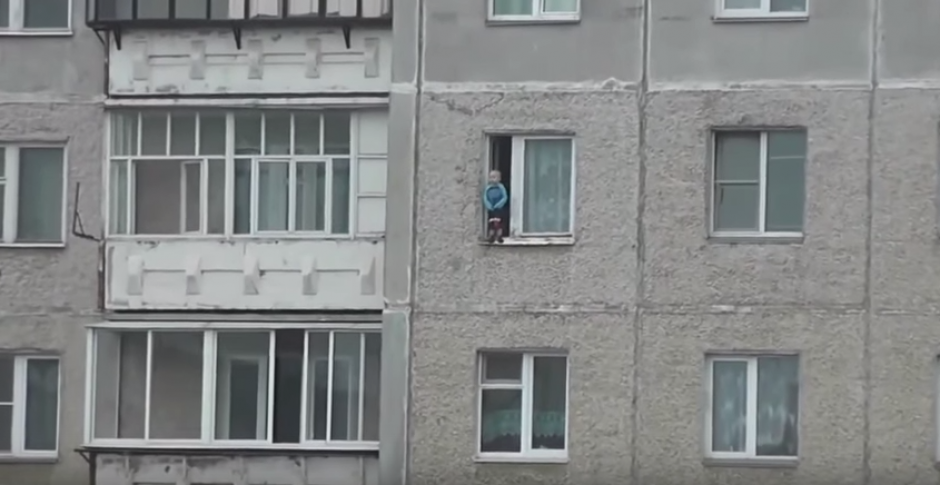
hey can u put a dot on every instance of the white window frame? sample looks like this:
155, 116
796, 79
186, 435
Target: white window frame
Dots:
517, 189
538, 13
18, 439
210, 369
224, 387
750, 451
757, 13
526, 385
10, 180
761, 230
229, 158
17, 16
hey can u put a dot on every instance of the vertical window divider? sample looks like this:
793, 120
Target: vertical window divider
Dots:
354, 177
91, 383
198, 145
328, 197
304, 390
293, 135
208, 385
263, 149
517, 187
361, 383
253, 203
329, 387
131, 197
148, 376
272, 364
750, 443
762, 203
291, 194
526, 414
17, 14
203, 196
169, 134
18, 428
230, 174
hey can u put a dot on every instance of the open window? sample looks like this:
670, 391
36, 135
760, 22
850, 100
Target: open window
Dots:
538, 174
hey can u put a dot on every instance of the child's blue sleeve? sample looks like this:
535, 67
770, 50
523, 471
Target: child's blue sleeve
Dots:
486, 200
503, 197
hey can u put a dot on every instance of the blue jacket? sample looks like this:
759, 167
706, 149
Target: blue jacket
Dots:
495, 196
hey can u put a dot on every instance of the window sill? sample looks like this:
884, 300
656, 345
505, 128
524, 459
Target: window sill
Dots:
524, 20
522, 459
757, 462
38, 459
279, 450
787, 239
532, 241
730, 19
32, 245
36, 33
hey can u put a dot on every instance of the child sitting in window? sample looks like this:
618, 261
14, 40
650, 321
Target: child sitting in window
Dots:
495, 198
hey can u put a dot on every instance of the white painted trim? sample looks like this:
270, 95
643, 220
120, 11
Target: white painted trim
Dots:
517, 192
91, 355
224, 387
538, 13
11, 181
378, 101
761, 13
19, 408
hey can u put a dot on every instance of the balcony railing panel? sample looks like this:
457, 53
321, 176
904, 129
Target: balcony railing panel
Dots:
222, 11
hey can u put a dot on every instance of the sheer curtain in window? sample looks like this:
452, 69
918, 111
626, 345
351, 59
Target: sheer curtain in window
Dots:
42, 404
512, 7
547, 194
729, 406
40, 205
560, 6
777, 406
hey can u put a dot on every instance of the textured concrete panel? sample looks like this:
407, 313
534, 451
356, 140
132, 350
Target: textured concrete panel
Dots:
684, 267
461, 47
686, 44
57, 281
443, 428
905, 252
456, 270
671, 408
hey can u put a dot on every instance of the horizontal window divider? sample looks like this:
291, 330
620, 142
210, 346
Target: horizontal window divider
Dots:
144, 325
737, 182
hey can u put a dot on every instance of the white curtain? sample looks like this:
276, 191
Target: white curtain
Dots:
547, 194
40, 209
512, 7
560, 6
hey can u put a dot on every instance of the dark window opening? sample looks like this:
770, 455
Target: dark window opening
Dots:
288, 381
501, 159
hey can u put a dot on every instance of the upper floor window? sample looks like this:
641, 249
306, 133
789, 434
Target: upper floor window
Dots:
32, 195
247, 172
538, 174
29, 406
523, 406
35, 16
235, 9
762, 8
535, 9
236, 387
759, 183
753, 406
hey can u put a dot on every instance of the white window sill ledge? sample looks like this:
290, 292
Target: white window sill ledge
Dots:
38, 459
532, 241
32, 245
757, 462
720, 19
522, 460
509, 21
229, 449
36, 33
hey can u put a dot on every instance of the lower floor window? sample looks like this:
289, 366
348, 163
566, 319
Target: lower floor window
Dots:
523, 404
29, 405
303, 386
754, 406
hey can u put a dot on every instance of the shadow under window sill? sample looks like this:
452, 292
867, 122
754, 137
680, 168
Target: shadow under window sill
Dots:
758, 462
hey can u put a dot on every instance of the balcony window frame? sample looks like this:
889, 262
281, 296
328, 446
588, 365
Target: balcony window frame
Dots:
761, 13
230, 158
210, 374
10, 183
16, 24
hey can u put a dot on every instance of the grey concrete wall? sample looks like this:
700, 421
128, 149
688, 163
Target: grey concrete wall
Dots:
50, 90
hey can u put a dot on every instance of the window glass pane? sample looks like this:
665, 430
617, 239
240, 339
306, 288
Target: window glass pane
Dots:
560, 6
153, 9
216, 203
212, 134
547, 188
191, 9
340, 196
242, 385
736, 207
242, 196
183, 134
512, 7
46, 14
118, 202
742, 4
288, 385
40, 205
737, 157
786, 191
371, 387
6, 427
248, 133
277, 133
500, 366
126, 365
729, 406
501, 428
318, 351
336, 133
6, 380
158, 196
42, 404
777, 405
787, 5
4, 13
307, 133
549, 389
273, 196
123, 134
153, 134
311, 196
176, 385
345, 410
220, 9
192, 203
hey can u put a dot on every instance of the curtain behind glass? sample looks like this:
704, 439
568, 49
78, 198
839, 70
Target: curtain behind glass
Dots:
547, 194
512, 7
729, 406
40, 195
777, 406
560, 6
42, 404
